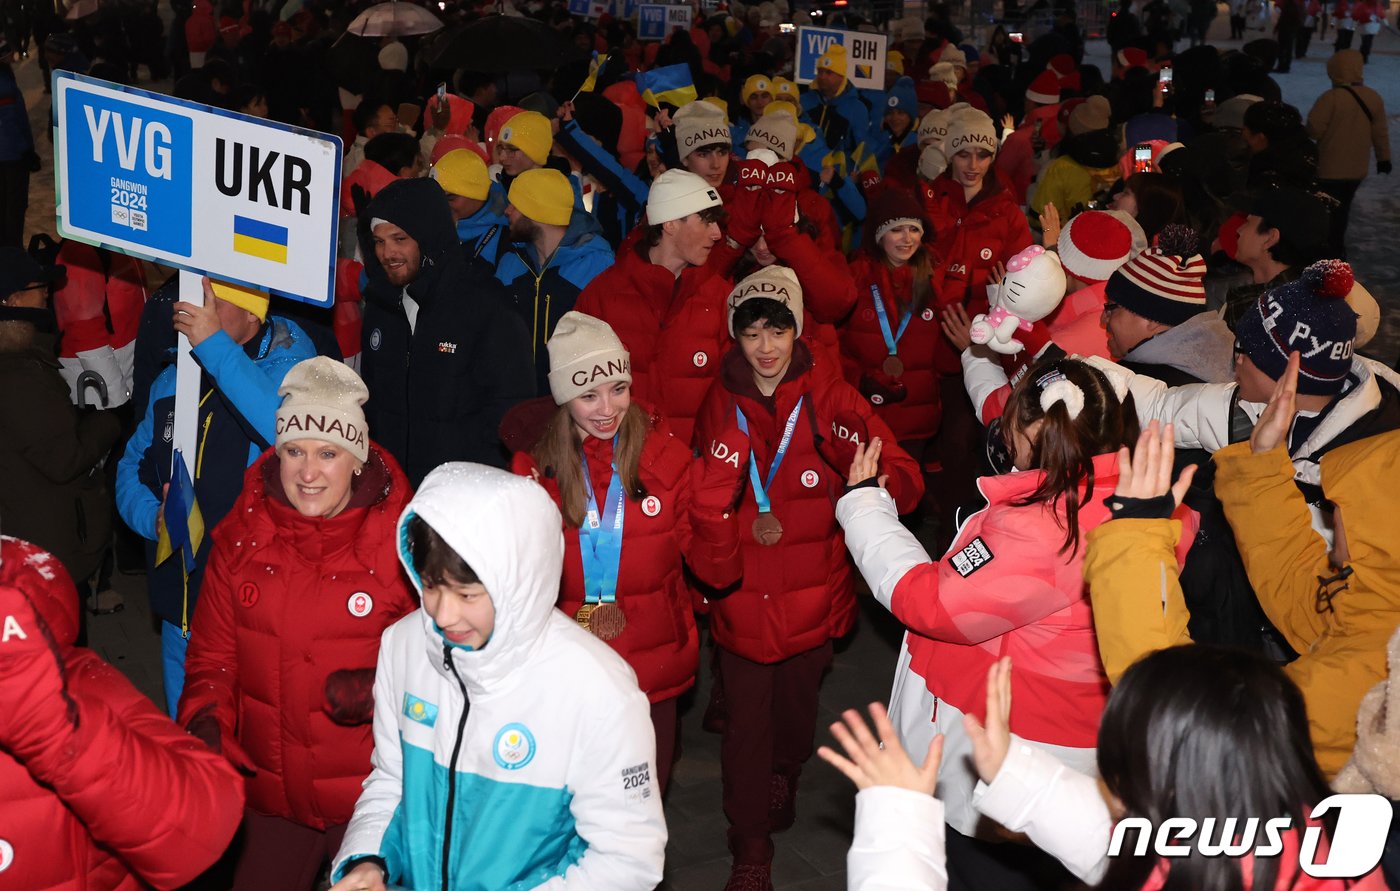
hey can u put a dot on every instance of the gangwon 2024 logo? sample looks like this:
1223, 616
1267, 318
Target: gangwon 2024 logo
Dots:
1363, 822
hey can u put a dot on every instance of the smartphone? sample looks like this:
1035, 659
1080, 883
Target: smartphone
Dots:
442, 92
1210, 98
1017, 37
1142, 158
1164, 76
786, 28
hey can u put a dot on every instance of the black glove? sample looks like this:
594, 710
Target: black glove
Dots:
1381, 167
1159, 508
360, 196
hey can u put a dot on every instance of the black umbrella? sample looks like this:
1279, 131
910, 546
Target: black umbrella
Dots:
353, 62
500, 43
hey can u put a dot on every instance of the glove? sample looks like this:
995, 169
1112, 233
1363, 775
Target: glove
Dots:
38, 712
350, 696
744, 217
751, 174
838, 448
204, 726
881, 388
720, 473
782, 177
779, 212
360, 197
1381, 167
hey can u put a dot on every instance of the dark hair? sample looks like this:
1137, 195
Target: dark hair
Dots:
366, 112
1284, 250
652, 233
245, 94
434, 560
393, 151
558, 453
1203, 731
766, 310
1065, 448
1159, 201
1277, 121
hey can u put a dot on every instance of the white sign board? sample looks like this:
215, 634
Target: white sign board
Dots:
197, 187
865, 55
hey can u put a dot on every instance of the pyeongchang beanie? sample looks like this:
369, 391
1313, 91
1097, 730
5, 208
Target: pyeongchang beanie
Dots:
1310, 315
530, 132
584, 352
543, 195
321, 400
462, 172
1164, 284
700, 124
774, 282
1093, 245
679, 193
251, 299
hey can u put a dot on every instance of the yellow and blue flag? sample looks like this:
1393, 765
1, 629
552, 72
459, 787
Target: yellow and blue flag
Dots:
671, 85
181, 525
595, 69
258, 239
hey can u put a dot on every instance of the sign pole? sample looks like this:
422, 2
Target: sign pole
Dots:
187, 375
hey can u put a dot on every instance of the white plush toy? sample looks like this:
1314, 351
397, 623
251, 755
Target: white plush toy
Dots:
1034, 285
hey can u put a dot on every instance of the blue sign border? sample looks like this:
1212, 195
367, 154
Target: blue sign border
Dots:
56, 75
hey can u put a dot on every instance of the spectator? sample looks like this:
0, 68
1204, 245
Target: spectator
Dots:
1281, 232
1348, 129
478, 204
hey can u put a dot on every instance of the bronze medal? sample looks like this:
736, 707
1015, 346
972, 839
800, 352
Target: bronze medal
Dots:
607, 621
767, 531
585, 615
893, 366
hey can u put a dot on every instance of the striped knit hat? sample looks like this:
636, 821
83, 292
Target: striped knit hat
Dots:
1164, 284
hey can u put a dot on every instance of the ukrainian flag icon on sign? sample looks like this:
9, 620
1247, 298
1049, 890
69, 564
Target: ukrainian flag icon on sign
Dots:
258, 239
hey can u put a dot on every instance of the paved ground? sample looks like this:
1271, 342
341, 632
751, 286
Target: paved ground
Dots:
812, 854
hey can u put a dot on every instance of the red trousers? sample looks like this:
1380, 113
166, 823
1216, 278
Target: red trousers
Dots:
279, 855
665, 722
772, 720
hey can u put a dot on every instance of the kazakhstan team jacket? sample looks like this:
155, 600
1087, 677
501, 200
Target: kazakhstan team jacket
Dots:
527, 763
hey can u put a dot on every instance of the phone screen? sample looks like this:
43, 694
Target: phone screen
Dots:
1165, 75
1210, 96
787, 27
1142, 159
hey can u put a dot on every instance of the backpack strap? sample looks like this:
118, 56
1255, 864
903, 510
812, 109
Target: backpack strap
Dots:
1359, 101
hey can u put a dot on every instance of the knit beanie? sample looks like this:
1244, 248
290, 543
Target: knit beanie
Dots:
1045, 89
944, 73
932, 162
902, 98
544, 195
462, 172
1164, 284
1092, 114
891, 207
757, 83
496, 120
774, 282
699, 124
786, 90
1310, 315
251, 299
453, 143
834, 59
321, 400
1093, 245
776, 130
970, 129
954, 56
584, 352
894, 61
679, 193
394, 57
933, 129
530, 132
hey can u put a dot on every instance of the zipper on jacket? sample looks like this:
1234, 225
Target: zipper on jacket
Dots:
452, 764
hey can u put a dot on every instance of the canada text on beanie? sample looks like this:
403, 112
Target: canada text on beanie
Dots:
321, 400
773, 282
699, 124
1310, 316
776, 130
584, 353
970, 129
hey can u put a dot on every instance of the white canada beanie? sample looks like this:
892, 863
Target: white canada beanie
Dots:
700, 124
774, 282
970, 129
775, 130
933, 129
679, 193
321, 400
583, 353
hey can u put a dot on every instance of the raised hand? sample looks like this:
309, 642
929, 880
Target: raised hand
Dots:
1147, 473
878, 759
1273, 425
991, 742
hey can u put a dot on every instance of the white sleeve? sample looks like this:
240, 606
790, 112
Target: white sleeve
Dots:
898, 844
882, 548
617, 802
1060, 809
1200, 412
383, 788
982, 376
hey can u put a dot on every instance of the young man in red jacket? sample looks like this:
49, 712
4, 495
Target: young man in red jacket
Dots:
793, 433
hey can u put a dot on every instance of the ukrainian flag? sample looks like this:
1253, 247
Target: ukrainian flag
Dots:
671, 85
181, 525
594, 70
259, 239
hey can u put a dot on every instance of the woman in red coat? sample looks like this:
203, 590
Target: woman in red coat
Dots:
623, 485
303, 578
793, 433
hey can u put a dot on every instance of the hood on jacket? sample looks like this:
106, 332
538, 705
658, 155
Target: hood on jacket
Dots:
41, 578
1351, 475
419, 207
1203, 346
509, 532
1345, 67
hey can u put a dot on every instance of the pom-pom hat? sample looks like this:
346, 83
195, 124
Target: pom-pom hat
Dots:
1164, 284
1310, 316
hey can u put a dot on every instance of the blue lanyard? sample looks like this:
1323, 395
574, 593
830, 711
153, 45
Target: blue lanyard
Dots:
760, 490
600, 539
891, 339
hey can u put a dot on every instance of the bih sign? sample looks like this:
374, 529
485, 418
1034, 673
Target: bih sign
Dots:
865, 55
196, 187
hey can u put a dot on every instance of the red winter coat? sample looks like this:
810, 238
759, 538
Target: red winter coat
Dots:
286, 601
1016, 162
676, 330
969, 239
98, 310
797, 594
660, 641
863, 346
130, 800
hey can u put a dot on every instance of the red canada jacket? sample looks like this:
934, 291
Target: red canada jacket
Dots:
797, 594
676, 330
660, 641
969, 239
286, 601
129, 799
863, 346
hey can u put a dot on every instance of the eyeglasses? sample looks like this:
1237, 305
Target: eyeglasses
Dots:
1110, 308
1236, 351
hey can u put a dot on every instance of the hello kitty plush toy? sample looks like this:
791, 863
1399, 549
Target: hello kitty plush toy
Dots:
1034, 285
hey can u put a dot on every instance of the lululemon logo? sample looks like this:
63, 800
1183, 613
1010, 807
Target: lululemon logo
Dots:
360, 604
651, 505
810, 479
248, 594
700, 359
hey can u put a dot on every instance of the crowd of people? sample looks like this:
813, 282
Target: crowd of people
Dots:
657, 354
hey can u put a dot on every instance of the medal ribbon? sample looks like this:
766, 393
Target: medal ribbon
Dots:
600, 539
760, 489
891, 338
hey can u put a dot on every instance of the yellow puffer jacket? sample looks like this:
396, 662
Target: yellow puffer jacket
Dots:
1138, 605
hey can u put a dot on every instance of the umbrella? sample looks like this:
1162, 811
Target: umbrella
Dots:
81, 9
501, 43
352, 61
394, 19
